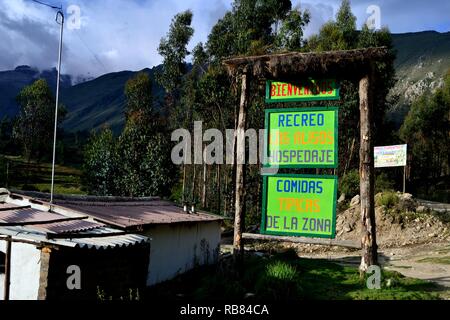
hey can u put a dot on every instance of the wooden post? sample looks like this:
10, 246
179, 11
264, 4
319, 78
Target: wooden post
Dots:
238, 246
43, 273
7, 269
404, 179
369, 254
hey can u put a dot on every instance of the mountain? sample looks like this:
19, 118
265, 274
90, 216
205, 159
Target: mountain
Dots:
11, 82
92, 104
423, 58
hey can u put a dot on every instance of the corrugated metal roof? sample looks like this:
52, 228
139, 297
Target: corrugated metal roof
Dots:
71, 226
27, 219
96, 242
8, 206
29, 215
137, 213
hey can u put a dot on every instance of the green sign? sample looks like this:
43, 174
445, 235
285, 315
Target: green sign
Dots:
301, 138
307, 90
299, 205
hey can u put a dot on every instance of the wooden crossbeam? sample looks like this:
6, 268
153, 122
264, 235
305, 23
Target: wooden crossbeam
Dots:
319, 241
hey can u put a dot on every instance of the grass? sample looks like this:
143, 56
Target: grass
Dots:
388, 199
37, 177
286, 277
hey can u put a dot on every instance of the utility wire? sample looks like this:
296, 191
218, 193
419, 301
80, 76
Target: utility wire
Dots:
48, 5
100, 62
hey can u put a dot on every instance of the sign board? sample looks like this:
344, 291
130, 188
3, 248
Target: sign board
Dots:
301, 138
307, 90
390, 156
299, 205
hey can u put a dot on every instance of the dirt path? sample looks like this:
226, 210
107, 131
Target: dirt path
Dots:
429, 262
436, 206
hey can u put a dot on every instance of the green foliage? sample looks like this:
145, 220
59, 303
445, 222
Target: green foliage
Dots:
349, 183
279, 282
6, 143
173, 50
2, 172
346, 23
33, 128
291, 32
426, 130
138, 92
251, 27
138, 162
389, 199
291, 278
132, 295
383, 183
342, 35
100, 163
145, 167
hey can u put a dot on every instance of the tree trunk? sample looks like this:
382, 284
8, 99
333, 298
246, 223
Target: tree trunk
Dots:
193, 184
369, 254
225, 197
219, 189
184, 184
204, 186
238, 247
350, 158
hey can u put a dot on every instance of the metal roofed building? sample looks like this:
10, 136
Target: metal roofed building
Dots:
180, 240
39, 249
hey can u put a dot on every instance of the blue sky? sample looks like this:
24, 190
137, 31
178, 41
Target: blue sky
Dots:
117, 35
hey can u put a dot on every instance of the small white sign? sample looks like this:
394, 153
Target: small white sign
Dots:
390, 156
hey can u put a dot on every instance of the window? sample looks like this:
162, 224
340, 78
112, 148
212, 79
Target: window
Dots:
2, 262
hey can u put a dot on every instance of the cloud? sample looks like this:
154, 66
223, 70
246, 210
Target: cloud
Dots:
399, 16
113, 35
124, 35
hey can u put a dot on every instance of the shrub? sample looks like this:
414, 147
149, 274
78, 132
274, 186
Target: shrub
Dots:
388, 199
349, 183
383, 183
279, 282
2, 172
30, 187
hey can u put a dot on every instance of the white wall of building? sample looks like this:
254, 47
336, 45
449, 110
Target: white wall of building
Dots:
25, 271
177, 248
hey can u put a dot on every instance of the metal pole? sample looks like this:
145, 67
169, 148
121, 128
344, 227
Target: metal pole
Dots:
404, 179
7, 269
59, 13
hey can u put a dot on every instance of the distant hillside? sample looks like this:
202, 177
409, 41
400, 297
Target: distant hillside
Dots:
422, 60
94, 103
11, 82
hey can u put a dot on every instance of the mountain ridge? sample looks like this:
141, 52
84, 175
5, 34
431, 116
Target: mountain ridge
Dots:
422, 60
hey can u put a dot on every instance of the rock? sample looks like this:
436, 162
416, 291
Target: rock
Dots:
432, 235
421, 209
347, 227
406, 202
405, 196
418, 228
355, 201
341, 198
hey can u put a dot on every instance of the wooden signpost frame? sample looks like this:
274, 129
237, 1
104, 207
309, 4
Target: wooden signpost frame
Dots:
357, 65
